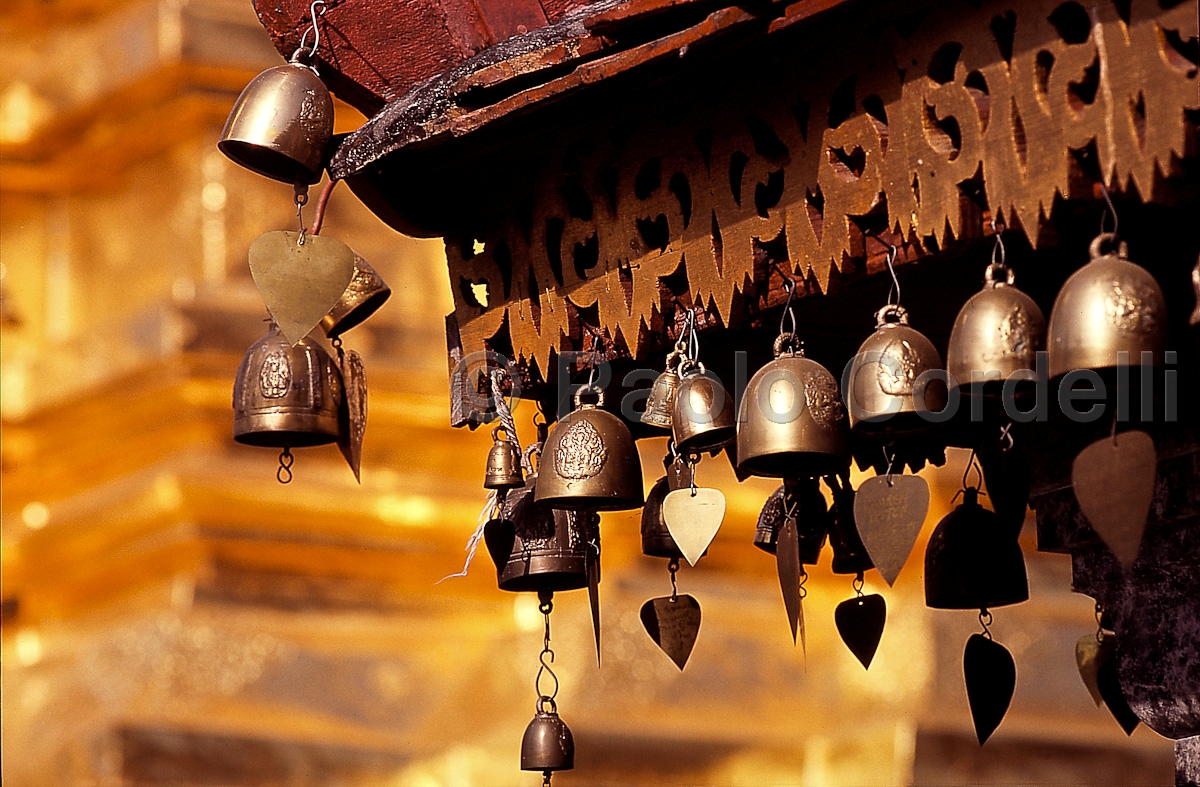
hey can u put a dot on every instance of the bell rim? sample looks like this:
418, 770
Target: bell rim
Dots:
236, 149
263, 429
335, 325
575, 503
803, 463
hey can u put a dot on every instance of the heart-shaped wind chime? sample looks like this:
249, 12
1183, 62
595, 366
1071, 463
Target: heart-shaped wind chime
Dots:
288, 392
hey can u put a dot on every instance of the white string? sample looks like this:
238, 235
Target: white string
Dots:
494, 502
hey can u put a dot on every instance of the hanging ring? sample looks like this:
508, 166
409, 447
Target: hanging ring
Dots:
985, 620
788, 316
284, 473
1110, 210
891, 259
302, 51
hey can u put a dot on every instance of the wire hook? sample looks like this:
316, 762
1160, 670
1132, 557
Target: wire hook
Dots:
315, 30
1111, 210
788, 315
890, 259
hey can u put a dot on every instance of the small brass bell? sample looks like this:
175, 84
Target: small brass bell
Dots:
770, 519
1107, 307
539, 548
703, 416
973, 560
363, 296
281, 124
547, 745
890, 390
656, 536
996, 335
503, 463
590, 461
661, 404
286, 396
792, 420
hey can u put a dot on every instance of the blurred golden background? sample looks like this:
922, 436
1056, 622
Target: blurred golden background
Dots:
172, 615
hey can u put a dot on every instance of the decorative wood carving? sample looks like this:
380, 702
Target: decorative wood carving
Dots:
922, 130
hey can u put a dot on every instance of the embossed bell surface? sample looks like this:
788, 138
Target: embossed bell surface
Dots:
281, 124
536, 547
890, 389
590, 461
286, 396
703, 415
547, 744
792, 420
656, 537
1107, 307
365, 293
660, 406
770, 519
996, 335
973, 560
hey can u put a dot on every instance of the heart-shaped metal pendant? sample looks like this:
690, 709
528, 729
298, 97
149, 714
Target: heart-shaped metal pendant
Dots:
673, 624
991, 677
860, 623
787, 563
693, 517
1090, 653
299, 282
353, 416
1114, 484
889, 512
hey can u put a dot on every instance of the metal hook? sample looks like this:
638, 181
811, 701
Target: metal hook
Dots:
890, 460
316, 31
788, 315
985, 620
971, 463
890, 259
673, 567
1110, 210
284, 474
998, 247
1006, 439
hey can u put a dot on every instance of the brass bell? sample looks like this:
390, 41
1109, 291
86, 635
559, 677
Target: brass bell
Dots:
1107, 307
703, 416
661, 404
770, 519
547, 745
286, 396
973, 561
996, 335
590, 460
281, 124
503, 463
895, 380
539, 548
792, 420
365, 293
656, 536
849, 554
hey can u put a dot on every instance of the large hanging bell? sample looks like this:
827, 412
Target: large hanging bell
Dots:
895, 381
660, 406
590, 460
703, 416
1108, 307
547, 745
792, 420
365, 293
996, 335
656, 536
973, 560
539, 548
281, 124
286, 396
503, 463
